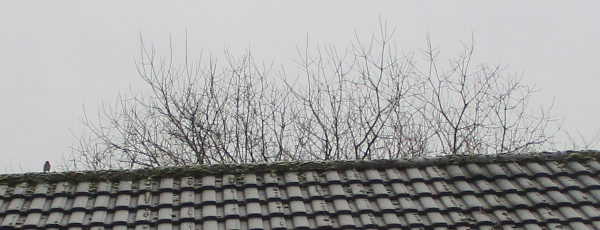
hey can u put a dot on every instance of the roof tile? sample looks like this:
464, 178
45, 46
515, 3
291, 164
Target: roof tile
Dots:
33, 220
589, 182
503, 192
594, 167
98, 218
537, 169
547, 183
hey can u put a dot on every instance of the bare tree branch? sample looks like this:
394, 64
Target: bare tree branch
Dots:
364, 102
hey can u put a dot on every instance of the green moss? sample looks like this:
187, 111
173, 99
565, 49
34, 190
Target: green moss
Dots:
238, 170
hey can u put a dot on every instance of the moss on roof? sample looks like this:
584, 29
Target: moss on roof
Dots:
279, 167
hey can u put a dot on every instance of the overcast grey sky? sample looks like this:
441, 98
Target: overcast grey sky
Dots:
56, 56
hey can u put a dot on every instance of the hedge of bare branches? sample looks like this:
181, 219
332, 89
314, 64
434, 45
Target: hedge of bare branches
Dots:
365, 102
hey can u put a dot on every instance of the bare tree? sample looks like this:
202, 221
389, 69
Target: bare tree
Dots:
364, 102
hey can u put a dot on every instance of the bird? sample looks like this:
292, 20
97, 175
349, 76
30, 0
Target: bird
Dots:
47, 166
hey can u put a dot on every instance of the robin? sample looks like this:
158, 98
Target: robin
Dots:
47, 166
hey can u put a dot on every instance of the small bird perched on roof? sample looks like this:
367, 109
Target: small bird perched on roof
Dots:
47, 166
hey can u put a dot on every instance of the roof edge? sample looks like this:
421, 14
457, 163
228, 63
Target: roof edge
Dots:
279, 167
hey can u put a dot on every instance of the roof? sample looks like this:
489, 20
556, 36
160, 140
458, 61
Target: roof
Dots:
528, 191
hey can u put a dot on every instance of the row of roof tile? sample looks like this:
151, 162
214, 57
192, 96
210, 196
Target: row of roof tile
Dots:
553, 193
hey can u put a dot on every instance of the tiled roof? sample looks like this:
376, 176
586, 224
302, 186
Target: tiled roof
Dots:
531, 191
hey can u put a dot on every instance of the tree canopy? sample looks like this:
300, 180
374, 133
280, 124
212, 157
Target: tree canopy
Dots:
364, 102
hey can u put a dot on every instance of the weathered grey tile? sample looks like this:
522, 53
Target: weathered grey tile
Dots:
341, 206
253, 209
368, 220
516, 201
559, 198
166, 185
270, 179
166, 199
475, 171
209, 197
323, 222
208, 182
505, 194
312, 178
455, 172
391, 220
123, 201
165, 215
33, 220
101, 202
10, 221
464, 187
578, 225
273, 193
421, 189
76, 219
297, 207
121, 217
442, 188
333, 177
275, 208
124, 187
570, 213
41, 190
385, 205
594, 166
547, 184
483, 186
568, 183
525, 216
589, 182
99, 218
142, 216
233, 224
80, 203
255, 223
516, 170
62, 188
429, 204
590, 212
406, 204
209, 212
346, 221
526, 185
187, 183
436, 219
578, 168
37, 204
506, 186
278, 223
400, 190
373, 176
319, 207
413, 219
291, 179
16, 204
548, 214
450, 203
58, 203
496, 171
187, 198
434, 173
394, 176
536, 198
537, 169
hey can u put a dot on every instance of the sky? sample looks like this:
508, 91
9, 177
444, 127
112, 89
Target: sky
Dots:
58, 58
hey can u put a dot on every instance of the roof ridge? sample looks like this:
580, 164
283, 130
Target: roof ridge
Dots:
292, 166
